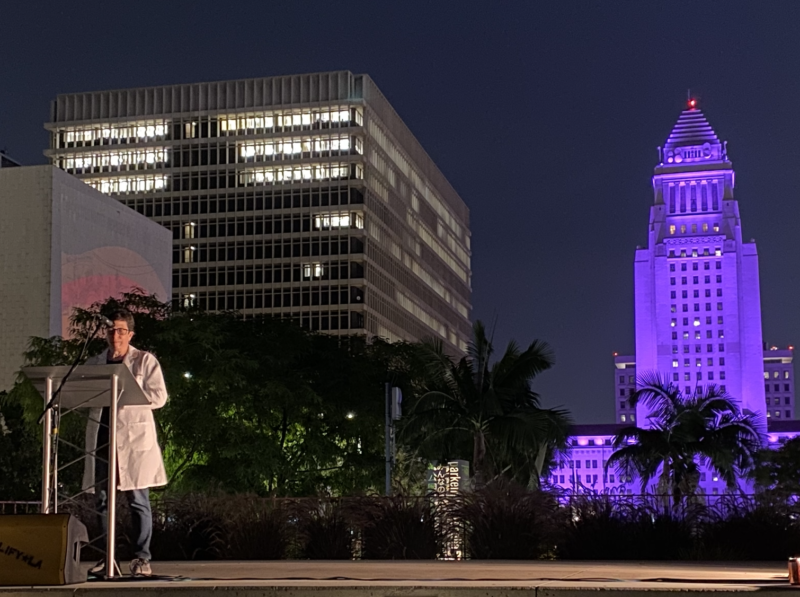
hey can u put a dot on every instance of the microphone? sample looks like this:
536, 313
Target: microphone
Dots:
105, 321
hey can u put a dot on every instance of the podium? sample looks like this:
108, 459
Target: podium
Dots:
89, 386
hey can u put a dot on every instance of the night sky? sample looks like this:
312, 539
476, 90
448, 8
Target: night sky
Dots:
545, 117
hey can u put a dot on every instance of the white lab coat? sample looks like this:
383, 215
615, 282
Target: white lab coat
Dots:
139, 461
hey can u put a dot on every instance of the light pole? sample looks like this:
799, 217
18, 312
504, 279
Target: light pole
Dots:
393, 411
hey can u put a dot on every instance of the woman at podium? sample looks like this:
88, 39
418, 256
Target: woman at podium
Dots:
139, 461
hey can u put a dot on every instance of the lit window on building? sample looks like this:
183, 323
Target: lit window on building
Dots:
312, 270
329, 221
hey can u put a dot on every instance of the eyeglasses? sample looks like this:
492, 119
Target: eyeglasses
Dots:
117, 331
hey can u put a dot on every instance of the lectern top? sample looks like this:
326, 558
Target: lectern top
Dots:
89, 385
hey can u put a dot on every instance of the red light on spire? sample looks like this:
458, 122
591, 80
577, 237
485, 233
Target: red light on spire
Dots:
692, 103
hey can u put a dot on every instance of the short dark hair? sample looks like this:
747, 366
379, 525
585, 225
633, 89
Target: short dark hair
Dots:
122, 315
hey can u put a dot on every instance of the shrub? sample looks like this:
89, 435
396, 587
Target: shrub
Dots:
756, 533
325, 532
398, 529
507, 522
191, 527
602, 527
256, 529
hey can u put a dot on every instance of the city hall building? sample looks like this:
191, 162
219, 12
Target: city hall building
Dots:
303, 196
697, 311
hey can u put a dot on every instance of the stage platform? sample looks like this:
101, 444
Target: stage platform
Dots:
433, 579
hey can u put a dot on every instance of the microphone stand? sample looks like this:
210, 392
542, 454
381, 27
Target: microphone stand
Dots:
75, 363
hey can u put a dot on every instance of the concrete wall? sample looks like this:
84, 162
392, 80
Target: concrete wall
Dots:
25, 263
65, 245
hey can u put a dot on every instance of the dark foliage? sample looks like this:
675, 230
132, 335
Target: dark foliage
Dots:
504, 521
750, 534
20, 455
192, 527
398, 529
616, 528
255, 529
325, 532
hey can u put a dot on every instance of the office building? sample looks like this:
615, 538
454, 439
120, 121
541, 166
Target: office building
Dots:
303, 196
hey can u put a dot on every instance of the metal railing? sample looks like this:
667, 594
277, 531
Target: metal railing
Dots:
20, 507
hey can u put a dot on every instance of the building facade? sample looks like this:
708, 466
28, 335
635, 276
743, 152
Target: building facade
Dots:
697, 300
779, 397
304, 197
64, 245
697, 313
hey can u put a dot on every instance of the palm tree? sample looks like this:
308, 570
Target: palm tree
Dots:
490, 406
704, 428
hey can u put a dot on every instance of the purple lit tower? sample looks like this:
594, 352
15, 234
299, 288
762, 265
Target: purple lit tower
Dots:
698, 309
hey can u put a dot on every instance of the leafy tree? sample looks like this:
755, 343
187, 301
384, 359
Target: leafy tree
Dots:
704, 428
20, 454
486, 411
777, 472
256, 405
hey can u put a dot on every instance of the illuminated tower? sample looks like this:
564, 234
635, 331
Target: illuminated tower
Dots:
698, 308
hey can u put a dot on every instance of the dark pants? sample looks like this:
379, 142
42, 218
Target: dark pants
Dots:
138, 499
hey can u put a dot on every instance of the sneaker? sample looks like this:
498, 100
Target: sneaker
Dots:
99, 569
141, 567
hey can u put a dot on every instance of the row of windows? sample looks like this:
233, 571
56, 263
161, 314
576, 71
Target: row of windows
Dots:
777, 414
151, 157
776, 374
696, 307
680, 202
130, 132
699, 363
696, 266
266, 122
695, 280
589, 478
698, 375
266, 274
300, 173
777, 386
341, 295
240, 202
259, 225
238, 251
693, 227
193, 181
696, 253
297, 147
589, 464
697, 348
118, 159
697, 334
129, 184
302, 119
696, 321
241, 300
673, 294
777, 400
